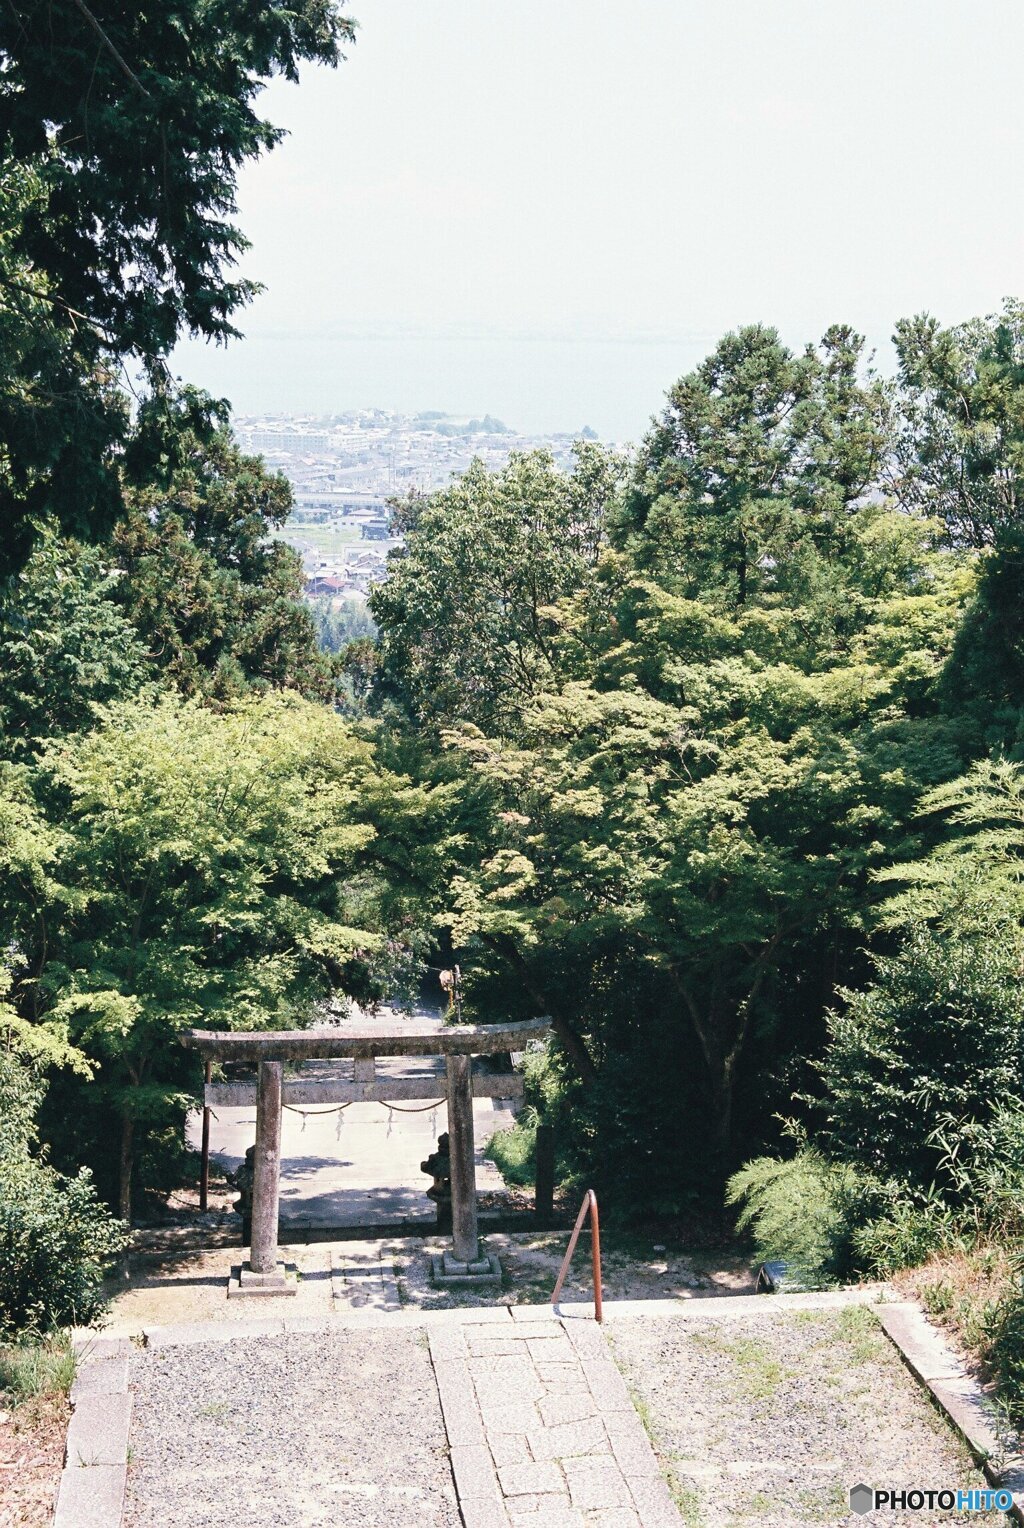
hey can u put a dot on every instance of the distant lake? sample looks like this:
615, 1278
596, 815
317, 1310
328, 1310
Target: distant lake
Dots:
535, 385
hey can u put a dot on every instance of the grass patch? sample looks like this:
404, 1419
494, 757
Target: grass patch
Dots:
858, 1327
643, 1411
759, 1373
513, 1152
326, 538
686, 1499
36, 1367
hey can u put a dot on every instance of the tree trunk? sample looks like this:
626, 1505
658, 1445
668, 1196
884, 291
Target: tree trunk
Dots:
569, 1037
124, 1197
720, 1096
720, 1035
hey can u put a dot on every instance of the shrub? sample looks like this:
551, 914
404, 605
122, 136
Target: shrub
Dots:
1004, 1351
905, 1234
803, 1211
56, 1240
56, 1237
513, 1152
936, 1037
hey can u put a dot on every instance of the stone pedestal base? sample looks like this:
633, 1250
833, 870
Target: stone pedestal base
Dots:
446, 1270
244, 1281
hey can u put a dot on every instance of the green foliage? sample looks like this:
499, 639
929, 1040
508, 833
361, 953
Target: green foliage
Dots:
803, 1211
212, 869
124, 130
338, 623
56, 1241
905, 1232
513, 1152
215, 599
66, 649
1004, 1349
467, 617
962, 442
744, 484
37, 1366
56, 1237
937, 1035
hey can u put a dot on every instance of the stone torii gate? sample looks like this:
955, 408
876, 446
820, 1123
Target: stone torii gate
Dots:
458, 1044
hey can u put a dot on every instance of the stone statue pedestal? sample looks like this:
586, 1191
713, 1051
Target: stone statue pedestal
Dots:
283, 1279
446, 1270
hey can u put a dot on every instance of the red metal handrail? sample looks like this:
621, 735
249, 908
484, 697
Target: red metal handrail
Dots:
589, 1203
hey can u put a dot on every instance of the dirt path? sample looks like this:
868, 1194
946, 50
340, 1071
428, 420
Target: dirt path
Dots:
322, 1429
767, 1421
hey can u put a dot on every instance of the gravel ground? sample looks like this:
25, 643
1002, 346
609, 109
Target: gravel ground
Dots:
328, 1428
769, 1420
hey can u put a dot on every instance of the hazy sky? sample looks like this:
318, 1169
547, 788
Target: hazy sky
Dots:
549, 209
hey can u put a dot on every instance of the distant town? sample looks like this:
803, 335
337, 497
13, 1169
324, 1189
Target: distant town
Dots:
343, 468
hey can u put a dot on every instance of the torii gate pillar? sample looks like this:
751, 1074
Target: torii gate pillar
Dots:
462, 1155
263, 1272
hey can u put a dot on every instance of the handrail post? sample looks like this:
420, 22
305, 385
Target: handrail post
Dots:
595, 1256
589, 1205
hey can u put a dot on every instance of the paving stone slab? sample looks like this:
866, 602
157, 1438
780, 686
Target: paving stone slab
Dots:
509, 1448
532, 1479
587, 1338
494, 1347
634, 1456
596, 1483
923, 1348
606, 1384
653, 1502
548, 1517
484, 1514
475, 1475
462, 1421
91, 1498
972, 1413
544, 1331
542, 1507
557, 1409
493, 1392
531, 1315
548, 1350
513, 1368
98, 1430
571, 1440
446, 1342
512, 1417
89, 1348
102, 1376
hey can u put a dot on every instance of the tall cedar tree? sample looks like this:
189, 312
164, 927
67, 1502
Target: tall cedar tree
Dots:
122, 131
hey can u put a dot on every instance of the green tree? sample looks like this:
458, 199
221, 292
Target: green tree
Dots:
66, 649
122, 131
213, 873
467, 618
671, 823
962, 437
214, 597
746, 482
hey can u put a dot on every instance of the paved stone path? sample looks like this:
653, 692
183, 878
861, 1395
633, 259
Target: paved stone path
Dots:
541, 1427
